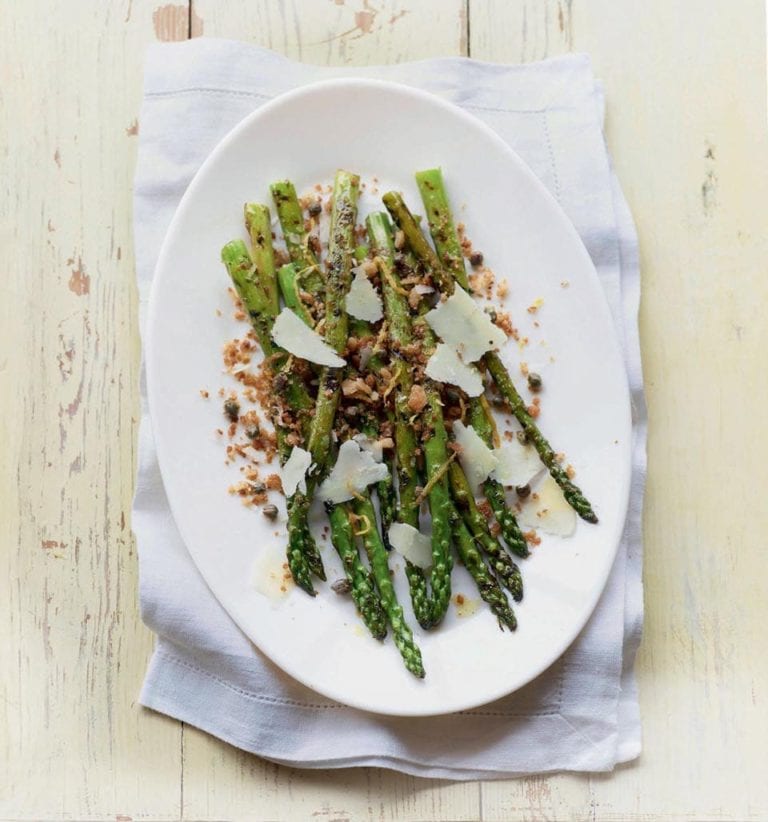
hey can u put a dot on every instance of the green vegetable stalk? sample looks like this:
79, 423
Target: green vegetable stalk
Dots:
489, 589
303, 556
363, 588
296, 236
501, 562
444, 280
377, 556
429, 609
494, 491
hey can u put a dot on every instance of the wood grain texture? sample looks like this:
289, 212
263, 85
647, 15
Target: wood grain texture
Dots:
686, 125
350, 32
220, 781
74, 744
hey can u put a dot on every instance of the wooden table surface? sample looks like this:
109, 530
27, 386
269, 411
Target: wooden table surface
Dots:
685, 86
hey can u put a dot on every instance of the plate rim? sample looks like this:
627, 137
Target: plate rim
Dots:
430, 99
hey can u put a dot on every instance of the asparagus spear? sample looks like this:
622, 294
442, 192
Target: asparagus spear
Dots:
262, 301
494, 491
296, 235
343, 215
396, 311
489, 589
377, 556
441, 225
417, 242
446, 240
385, 489
245, 279
303, 556
288, 279
445, 281
363, 589
501, 562
429, 610
341, 246
259, 224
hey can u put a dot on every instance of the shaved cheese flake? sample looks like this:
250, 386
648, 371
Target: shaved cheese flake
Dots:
419, 288
372, 446
268, 576
290, 333
353, 472
477, 460
460, 322
294, 472
410, 543
445, 365
363, 301
549, 512
518, 463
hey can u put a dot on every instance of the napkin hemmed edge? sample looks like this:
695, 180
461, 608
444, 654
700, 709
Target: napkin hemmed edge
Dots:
167, 692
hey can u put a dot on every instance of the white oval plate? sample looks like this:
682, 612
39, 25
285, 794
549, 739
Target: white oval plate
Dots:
389, 131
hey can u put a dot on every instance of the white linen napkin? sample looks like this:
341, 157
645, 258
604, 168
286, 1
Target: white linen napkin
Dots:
582, 713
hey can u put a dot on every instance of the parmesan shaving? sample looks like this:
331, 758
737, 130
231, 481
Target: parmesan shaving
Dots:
269, 577
477, 460
446, 366
460, 322
410, 543
353, 472
363, 301
548, 511
290, 333
518, 463
372, 446
294, 472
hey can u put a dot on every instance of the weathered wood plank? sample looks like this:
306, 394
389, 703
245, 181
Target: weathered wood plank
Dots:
220, 781
341, 32
74, 744
686, 125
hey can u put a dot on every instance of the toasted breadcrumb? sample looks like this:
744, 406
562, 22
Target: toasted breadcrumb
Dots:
484, 507
531, 537
481, 282
417, 399
504, 322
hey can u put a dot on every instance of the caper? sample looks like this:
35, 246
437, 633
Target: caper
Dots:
476, 259
452, 396
534, 381
341, 586
232, 410
523, 491
270, 511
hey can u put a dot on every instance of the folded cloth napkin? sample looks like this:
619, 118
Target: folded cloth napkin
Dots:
582, 713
